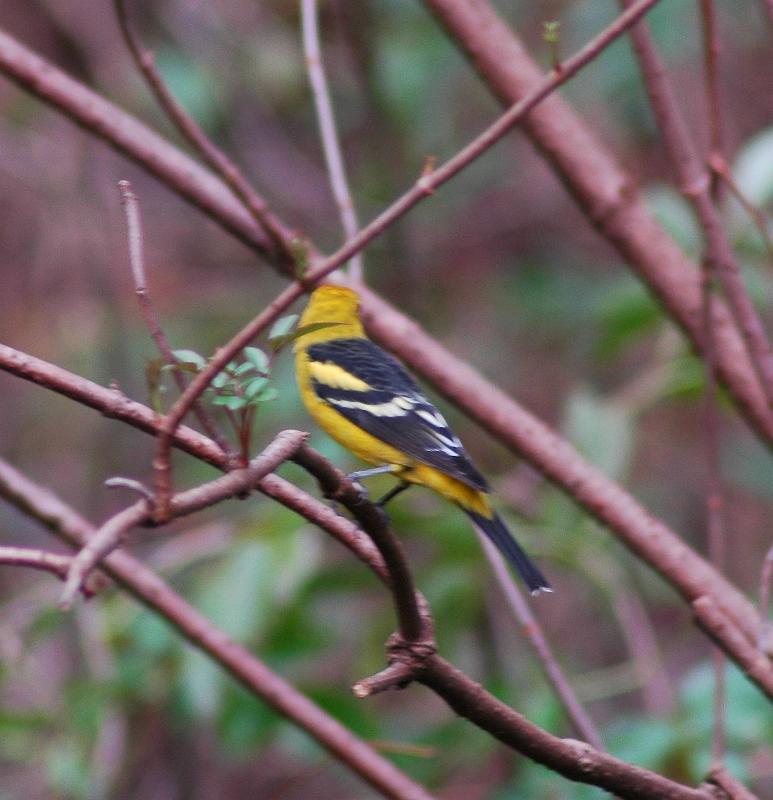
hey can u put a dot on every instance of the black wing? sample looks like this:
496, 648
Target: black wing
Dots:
392, 408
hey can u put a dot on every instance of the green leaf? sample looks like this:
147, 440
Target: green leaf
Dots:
230, 401
254, 387
220, 380
269, 393
190, 357
257, 357
244, 368
282, 326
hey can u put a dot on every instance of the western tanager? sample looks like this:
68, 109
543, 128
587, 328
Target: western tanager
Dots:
366, 400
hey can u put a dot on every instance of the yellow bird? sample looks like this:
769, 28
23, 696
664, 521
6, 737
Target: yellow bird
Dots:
366, 400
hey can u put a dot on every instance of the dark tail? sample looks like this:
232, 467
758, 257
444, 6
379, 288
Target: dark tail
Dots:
496, 531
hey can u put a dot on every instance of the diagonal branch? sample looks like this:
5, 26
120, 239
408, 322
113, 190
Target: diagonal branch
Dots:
236, 483
695, 183
254, 675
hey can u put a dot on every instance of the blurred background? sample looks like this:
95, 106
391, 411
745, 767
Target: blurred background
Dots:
107, 702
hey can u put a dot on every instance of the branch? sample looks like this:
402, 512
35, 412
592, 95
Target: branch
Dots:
604, 194
575, 760
695, 184
235, 483
536, 638
415, 624
255, 205
722, 631
53, 563
554, 457
242, 665
327, 128
130, 202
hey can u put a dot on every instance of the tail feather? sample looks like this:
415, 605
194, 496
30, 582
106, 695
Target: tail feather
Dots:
496, 531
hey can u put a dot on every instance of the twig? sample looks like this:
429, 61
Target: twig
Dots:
110, 535
731, 787
605, 194
695, 184
130, 202
535, 636
191, 132
240, 663
721, 168
765, 639
573, 759
529, 437
714, 622
328, 130
714, 500
54, 563
415, 625
711, 53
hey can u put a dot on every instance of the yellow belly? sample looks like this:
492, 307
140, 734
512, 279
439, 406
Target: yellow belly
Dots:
374, 451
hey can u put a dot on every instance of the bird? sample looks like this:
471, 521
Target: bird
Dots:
367, 401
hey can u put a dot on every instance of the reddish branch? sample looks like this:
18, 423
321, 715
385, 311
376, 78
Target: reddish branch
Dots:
152, 592
54, 563
535, 636
601, 189
576, 760
212, 155
527, 436
604, 193
137, 263
115, 405
695, 183
235, 483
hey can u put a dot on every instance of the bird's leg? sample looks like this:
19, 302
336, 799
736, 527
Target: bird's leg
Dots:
393, 492
354, 477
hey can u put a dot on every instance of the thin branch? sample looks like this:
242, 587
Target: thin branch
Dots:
731, 787
695, 184
721, 168
415, 624
53, 563
711, 53
115, 405
256, 677
328, 130
573, 759
130, 202
195, 136
765, 639
235, 483
720, 628
607, 196
536, 638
